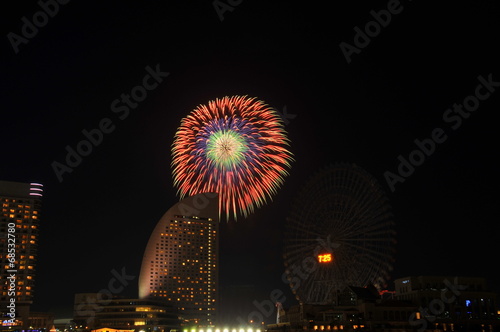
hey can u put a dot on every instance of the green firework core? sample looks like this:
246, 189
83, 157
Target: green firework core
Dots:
226, 148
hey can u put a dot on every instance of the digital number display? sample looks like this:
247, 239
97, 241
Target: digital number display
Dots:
325, 258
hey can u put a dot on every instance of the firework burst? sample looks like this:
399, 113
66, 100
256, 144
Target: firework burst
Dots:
235, 146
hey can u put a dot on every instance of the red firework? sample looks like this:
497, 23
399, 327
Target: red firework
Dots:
234, 146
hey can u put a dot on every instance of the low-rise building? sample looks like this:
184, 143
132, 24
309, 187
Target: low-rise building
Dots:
425, 303
450, 303
93, 313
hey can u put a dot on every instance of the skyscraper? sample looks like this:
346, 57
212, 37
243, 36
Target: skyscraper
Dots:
19, 221
180, 264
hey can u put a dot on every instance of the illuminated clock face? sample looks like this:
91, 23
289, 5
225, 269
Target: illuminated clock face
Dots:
325, 258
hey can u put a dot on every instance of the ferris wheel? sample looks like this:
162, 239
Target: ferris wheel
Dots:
340, 233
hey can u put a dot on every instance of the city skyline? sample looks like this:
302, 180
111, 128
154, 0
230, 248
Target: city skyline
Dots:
403, 108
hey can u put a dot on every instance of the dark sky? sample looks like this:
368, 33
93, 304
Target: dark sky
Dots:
396, 89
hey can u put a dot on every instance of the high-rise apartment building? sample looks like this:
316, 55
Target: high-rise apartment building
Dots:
19, 222
180, 264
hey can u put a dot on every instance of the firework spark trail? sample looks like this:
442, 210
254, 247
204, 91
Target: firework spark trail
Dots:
235, 146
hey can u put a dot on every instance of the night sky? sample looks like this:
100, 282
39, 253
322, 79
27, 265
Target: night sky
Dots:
398, 87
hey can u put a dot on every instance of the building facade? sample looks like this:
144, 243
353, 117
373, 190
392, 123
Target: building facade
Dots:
92, 311
19, 223
421, 303
180, 263
355, 308
453, 303
41, 320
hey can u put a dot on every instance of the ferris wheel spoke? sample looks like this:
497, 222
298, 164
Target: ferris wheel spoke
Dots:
306, 233
372, 239
356, 215
363, 249
373, 255
367, 228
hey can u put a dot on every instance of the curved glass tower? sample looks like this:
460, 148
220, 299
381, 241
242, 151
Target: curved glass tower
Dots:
180, 264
